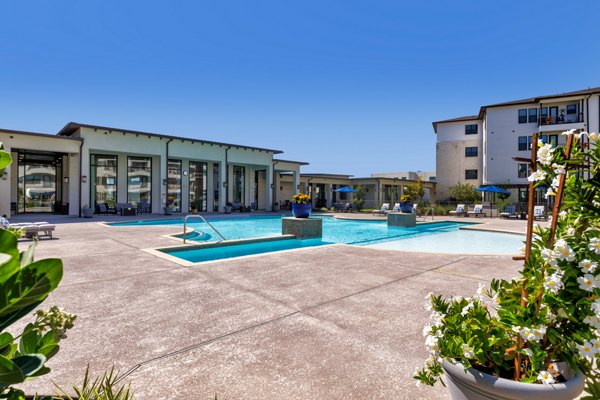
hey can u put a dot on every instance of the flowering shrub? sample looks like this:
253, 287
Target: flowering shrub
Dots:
301, 198
519, 329
405, 198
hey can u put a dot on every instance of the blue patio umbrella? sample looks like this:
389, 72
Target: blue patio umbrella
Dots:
492, 189
345, 189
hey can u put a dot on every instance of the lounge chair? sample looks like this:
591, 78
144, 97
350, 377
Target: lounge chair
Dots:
509, 212
460, 210
540, 212
353, 207
396, 207
35, 229
383, 210
477, 211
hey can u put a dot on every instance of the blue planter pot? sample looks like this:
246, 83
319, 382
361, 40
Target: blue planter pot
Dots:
301, 210
406, 207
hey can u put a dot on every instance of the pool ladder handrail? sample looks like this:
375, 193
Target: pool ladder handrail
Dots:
429, 211
203, 219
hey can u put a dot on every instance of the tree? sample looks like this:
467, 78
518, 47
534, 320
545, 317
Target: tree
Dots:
416, 191
464, 192
359, 197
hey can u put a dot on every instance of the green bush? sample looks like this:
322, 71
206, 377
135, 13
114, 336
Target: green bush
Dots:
464, 192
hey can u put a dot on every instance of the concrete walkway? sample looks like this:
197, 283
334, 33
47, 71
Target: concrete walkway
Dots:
333, 322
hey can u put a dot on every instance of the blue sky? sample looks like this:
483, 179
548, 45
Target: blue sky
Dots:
349, 86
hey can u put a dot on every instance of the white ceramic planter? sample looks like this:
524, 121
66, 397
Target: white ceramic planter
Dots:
476, 385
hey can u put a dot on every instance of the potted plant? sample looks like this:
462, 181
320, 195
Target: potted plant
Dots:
87, 211
301, 205
406, 205
536, 336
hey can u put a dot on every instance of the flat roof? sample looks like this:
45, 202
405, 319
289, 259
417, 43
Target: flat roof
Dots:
331, 176
71, 127
292, 162
38, 134
459, 119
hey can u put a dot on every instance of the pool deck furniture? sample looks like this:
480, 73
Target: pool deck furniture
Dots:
460, 210
477, 211
539, 212
383, 210
396, 207
35, 229
402, 220
302, 228
509, 212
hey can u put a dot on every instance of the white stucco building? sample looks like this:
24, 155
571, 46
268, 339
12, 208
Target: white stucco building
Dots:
479, 149
86, 165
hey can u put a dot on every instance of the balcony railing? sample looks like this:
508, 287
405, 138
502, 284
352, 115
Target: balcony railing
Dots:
561, 119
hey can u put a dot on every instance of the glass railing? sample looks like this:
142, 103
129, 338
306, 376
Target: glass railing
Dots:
561, 119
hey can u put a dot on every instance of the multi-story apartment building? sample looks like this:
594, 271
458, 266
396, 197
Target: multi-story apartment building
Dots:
479, 149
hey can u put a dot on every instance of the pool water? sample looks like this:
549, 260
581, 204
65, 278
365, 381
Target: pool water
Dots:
334, 230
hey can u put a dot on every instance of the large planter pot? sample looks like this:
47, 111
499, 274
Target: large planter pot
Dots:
476, 385
87, 212
168, 210
301, 210
406, 207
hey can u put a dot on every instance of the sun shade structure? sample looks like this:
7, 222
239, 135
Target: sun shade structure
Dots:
345, 189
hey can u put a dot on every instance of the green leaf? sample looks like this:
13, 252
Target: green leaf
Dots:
27, 255
29, 341
10, 373
8, 245
30, 363
5, 160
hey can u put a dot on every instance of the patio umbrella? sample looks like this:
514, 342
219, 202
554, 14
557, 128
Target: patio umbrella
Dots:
492, 189
345, 189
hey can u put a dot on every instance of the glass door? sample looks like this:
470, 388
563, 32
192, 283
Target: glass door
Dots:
38, 187
197, 186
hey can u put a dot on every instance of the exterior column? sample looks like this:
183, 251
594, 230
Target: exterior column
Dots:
5, 186
328, 195
295, 182
276, 184
210, 187
162, 184
222, 188
269, 183
74, 183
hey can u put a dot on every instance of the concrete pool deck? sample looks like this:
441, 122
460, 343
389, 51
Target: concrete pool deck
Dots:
335, 322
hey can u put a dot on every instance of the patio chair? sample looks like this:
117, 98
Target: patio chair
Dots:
540, 212
383, 210
102, 208
236, 206
460, 210
477, 211
509, 212
143, 207
396, 207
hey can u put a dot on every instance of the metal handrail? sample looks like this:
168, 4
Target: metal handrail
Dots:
429, 210
203, 219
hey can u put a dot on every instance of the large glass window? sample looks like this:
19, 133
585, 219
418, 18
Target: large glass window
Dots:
470, 151
533, 115
216, 186
523, 116
139, 180
197, 186
524, 142
544, 115
174, 184
104, 179
239, 174
471, 129
572, 109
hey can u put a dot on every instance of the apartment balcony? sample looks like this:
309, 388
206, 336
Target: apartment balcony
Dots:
561, 122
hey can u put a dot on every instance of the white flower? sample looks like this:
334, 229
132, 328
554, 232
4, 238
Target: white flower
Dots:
571, 231
516, 329
588, 282
559, 169
432, 343
592, 321
544, 154
426, 330
562, 251
596, 307
586, 349
555, 183
594, 245
494, 301
580, 134
537, 176
549, 193
533, 335
528, 351
593, 136
554, 283
428, 301
466, 309
587, 266
546, 378
480, 291
468, 351
569, 132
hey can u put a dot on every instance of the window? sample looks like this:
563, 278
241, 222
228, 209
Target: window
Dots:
432, 179
572, 109
543, 114
139, 180
552, 139
470, 174
174, 184
524, 143
523, 116
470, 151
103, 172
198, 186
238, 190
532, 115
523, 170
471, 129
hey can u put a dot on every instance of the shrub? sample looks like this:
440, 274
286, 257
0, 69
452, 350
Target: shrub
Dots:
464, 192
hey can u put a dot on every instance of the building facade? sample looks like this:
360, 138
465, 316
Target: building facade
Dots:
85, 165
479, 149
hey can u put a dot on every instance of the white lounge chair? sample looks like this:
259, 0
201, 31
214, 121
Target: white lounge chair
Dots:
509, 212
396, 207
460, 210
540, 212
383, 210
477, 211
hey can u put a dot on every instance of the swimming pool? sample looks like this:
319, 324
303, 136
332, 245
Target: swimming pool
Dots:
334, 230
